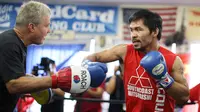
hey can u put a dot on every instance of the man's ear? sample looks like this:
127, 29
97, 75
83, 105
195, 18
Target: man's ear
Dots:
155, 33
31, 27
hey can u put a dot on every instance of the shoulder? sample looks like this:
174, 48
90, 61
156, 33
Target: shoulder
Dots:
10, 51
8, 37
166, 51
170, 58
8, 33
122, 50
178, 63
116, 48
121, 46
119, 49
169, 55
13, 47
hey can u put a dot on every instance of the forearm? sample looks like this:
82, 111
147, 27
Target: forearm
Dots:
110, 86
28, 84
91, 57
179, 92
59, 92
97, 93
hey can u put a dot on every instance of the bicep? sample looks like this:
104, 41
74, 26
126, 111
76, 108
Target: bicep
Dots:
109, 55
178, 72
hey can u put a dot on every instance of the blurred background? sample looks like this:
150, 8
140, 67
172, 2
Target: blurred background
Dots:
81, 27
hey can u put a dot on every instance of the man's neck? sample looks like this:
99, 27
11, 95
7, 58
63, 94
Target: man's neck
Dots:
20, 35
153, 47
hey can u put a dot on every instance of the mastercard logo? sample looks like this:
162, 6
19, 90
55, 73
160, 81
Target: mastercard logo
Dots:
76, 79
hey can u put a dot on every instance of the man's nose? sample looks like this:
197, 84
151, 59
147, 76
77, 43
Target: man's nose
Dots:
49, 30
133, 34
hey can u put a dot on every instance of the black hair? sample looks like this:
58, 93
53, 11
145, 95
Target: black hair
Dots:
150, 19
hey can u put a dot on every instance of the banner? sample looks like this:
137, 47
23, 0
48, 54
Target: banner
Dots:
8, 13
79, 18
193, 23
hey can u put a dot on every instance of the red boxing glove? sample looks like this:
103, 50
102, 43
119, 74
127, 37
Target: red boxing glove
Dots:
63, 80
72, 79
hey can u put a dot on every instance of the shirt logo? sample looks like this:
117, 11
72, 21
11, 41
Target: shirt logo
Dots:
139, 79
140, 86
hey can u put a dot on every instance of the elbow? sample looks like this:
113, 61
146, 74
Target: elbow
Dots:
108, 90
11, 90
183, 97
99, 95
183, 100
11, 87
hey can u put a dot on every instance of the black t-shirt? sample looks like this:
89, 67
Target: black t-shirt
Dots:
12, 66
55, 106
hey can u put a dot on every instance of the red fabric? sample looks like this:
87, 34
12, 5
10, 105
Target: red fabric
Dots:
141, 92
86, 106
64, 79
194, 95
54, 81
185, 57
24, 103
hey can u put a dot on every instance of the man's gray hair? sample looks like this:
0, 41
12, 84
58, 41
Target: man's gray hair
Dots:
32, 12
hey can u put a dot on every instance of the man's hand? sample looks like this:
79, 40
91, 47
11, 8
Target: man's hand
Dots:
154, 63
76, 79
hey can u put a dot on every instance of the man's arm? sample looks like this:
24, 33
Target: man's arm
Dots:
175, 84
67, 79
179, 89
28, 84
96, 93
115, 53
59, 92
110, 86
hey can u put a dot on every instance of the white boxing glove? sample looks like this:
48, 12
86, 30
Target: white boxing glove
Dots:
73, 79
77, 79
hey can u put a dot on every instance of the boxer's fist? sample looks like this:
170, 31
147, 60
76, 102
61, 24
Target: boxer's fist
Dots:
98, 73
76, 79
154, 63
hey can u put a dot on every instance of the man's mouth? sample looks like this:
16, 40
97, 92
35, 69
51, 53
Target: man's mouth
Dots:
135, 41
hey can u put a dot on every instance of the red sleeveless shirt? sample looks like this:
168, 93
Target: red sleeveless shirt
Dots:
141, 92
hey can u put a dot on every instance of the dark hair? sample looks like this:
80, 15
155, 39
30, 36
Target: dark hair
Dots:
151, 20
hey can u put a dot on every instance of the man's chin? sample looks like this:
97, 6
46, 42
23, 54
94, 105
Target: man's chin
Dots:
39, 43
136, 47
139, 49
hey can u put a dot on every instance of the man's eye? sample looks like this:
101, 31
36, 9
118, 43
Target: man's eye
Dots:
139, 29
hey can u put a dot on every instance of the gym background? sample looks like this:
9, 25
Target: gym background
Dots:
81, 27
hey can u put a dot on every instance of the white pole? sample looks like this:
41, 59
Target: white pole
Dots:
174, 48
92, 45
